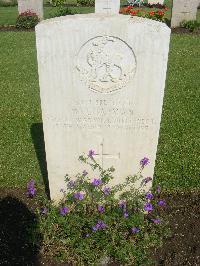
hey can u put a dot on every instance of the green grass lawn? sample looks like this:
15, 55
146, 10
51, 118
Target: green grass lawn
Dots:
8, 15
178, 157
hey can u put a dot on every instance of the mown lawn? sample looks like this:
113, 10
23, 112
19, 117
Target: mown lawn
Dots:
8, 15
179, 146
178, 157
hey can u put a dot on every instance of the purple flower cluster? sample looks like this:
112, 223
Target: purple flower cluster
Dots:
144, 161
135, 230
149, 196
100, 225
97, 182
106, 190
156, 221
31, 190
79, 196
64, 210
101, 208
148, 207
91, 153
161, 203
122, 205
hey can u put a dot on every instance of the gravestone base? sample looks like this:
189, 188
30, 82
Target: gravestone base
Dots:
102, 80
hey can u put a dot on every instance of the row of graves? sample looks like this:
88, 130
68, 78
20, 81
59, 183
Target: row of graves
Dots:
183, 10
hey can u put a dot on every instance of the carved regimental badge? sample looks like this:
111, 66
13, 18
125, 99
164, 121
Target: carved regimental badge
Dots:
106, 64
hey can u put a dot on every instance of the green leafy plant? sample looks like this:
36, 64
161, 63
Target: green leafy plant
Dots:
27, 20
57, 2
63, 11
96, 222
191, 25
86, 2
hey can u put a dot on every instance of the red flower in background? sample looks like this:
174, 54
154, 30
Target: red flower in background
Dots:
151, 13
160, 13
134, 12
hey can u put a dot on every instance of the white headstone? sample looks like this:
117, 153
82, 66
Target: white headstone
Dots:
107, 6
156, 2
102, 82
35, 6
183, 10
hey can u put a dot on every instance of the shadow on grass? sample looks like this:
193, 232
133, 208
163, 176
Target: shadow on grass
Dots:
38, 141
17, 246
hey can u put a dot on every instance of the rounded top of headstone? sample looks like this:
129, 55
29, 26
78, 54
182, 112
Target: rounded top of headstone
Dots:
102, 17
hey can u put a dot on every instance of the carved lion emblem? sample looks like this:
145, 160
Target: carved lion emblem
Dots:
106, 64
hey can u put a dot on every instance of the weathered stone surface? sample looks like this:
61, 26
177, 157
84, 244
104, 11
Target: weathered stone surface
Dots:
107, 6
183, 10
35, 6
102, 82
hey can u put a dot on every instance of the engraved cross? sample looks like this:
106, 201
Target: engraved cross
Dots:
102, 155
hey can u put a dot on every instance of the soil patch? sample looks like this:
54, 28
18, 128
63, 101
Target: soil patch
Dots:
181, 30
17, 212
13, 28
183, 247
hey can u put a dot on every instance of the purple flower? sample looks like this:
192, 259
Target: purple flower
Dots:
126, 214
101, 209
85, 173
91, 153
79, 196
106, 190
161, 203
94, 228
149, 195
64, 210
87, 235
146, 180
96, 182
135, 229
122, 204
44, 210
31, 190
158, 189
148, 207
156, 221
100, 225
144, 161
